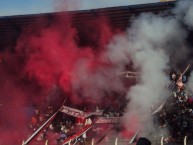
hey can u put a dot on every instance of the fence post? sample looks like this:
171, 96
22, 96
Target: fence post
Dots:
46, 143
92, 141
23, 142
69, 142
185, 140
116, 141
162, 140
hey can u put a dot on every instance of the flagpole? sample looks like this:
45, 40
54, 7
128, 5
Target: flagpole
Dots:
183, 73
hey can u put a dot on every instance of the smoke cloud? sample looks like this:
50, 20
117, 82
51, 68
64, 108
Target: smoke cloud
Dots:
154, 43
184, 12
85, 69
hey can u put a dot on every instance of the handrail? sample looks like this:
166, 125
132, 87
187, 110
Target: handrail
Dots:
116, 141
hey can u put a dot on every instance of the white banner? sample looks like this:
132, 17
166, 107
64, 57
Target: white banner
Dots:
73, 112
78, 113
108, 120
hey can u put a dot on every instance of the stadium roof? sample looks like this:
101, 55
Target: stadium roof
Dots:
12, 26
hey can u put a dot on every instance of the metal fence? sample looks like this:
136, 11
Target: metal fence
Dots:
116, 141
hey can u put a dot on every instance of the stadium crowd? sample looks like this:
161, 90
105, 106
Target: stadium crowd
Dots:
176, 116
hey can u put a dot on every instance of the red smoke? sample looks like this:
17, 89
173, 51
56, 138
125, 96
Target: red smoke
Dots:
52, 57
14, 96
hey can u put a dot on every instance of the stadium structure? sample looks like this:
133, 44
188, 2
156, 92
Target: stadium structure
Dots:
12, 26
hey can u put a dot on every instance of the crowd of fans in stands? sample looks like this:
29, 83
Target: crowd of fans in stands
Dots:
64, 126
176, 116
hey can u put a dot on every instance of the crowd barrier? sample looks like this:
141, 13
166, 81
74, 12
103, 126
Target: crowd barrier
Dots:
116, 142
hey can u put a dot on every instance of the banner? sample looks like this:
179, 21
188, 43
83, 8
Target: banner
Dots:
73, 112
96, 113
108, 120
78, 113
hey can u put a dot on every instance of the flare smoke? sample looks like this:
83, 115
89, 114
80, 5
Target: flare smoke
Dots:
54, 57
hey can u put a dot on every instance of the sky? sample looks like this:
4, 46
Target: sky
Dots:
22, 7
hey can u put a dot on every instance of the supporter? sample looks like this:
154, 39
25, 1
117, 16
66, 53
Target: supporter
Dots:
34, 124
62, 137
49, 111
173, 77
51, 127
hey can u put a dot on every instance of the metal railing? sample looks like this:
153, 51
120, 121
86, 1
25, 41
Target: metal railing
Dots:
116, 141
